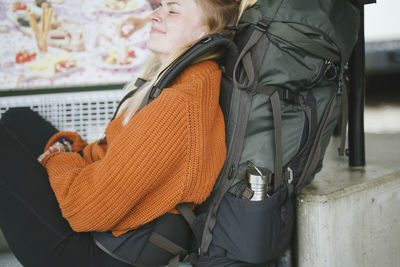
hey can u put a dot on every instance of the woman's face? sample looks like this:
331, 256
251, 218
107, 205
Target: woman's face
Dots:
174, 24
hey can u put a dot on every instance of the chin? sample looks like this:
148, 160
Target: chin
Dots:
155, 44
154, 50
157, 49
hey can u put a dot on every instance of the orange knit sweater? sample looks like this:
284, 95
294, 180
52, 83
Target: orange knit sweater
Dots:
169, 152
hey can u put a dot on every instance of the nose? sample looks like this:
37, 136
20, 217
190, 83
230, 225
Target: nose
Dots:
155, 16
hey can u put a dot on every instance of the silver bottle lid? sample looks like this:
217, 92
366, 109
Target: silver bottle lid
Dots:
259, 180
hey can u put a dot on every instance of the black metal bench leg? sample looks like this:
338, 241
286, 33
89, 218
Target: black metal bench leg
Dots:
357, 97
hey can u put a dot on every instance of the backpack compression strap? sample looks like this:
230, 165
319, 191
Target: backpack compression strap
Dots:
315, 152
248, 63
250, 60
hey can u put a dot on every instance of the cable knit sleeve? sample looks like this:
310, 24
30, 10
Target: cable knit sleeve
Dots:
147, 157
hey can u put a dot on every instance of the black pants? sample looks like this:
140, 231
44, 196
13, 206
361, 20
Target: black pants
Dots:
30, 217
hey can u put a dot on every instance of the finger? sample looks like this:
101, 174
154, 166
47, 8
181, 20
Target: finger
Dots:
57, 147
53, 149
60, 147
41, 157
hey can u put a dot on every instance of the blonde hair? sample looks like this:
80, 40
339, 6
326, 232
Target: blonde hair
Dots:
218, 14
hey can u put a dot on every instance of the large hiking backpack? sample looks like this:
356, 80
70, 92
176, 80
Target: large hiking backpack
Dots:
282, 94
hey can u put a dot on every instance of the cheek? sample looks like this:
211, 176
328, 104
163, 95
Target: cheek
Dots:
177, 35
183, 34
181, 39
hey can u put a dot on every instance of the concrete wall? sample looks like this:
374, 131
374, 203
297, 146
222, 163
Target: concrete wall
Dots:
351, 217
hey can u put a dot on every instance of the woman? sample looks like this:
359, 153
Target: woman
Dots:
150, 160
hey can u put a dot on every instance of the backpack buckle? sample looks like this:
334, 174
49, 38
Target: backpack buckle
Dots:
290, 173
188, 257
262, 25
287, 95
340, 87
232, 28
289, 176
206, 40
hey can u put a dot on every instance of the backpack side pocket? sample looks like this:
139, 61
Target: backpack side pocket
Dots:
250, 231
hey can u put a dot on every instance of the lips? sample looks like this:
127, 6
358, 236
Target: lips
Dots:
155, 30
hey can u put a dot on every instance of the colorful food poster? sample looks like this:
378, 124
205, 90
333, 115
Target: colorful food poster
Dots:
71, 43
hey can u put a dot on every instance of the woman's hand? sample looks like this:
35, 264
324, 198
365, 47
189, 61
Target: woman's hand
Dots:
57, 147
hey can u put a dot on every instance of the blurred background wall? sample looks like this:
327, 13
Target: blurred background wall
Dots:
382, 36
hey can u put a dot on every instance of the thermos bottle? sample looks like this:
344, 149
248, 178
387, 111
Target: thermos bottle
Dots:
259, 181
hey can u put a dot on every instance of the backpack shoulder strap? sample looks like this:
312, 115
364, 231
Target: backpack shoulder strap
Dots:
229, 170
209, 43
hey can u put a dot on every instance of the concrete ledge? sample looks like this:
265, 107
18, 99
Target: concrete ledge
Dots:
7, 259
3, 243
351, 216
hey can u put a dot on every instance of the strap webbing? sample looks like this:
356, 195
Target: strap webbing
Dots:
287, 33
145, 101
258, 54
172, 248
138, 83
246, 59
186, 212
275, 95
284, 94
186, 257
277, 117
165, 244
266, 89
174, 262
128, 95
309, 118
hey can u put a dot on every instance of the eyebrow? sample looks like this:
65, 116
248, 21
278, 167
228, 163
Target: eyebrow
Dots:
172, 3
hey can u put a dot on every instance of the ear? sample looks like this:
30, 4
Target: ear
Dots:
200, 33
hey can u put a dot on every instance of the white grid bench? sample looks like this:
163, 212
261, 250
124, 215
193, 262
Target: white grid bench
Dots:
87, 113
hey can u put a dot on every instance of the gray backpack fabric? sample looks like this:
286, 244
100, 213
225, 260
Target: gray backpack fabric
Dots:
282, 95
286, 99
